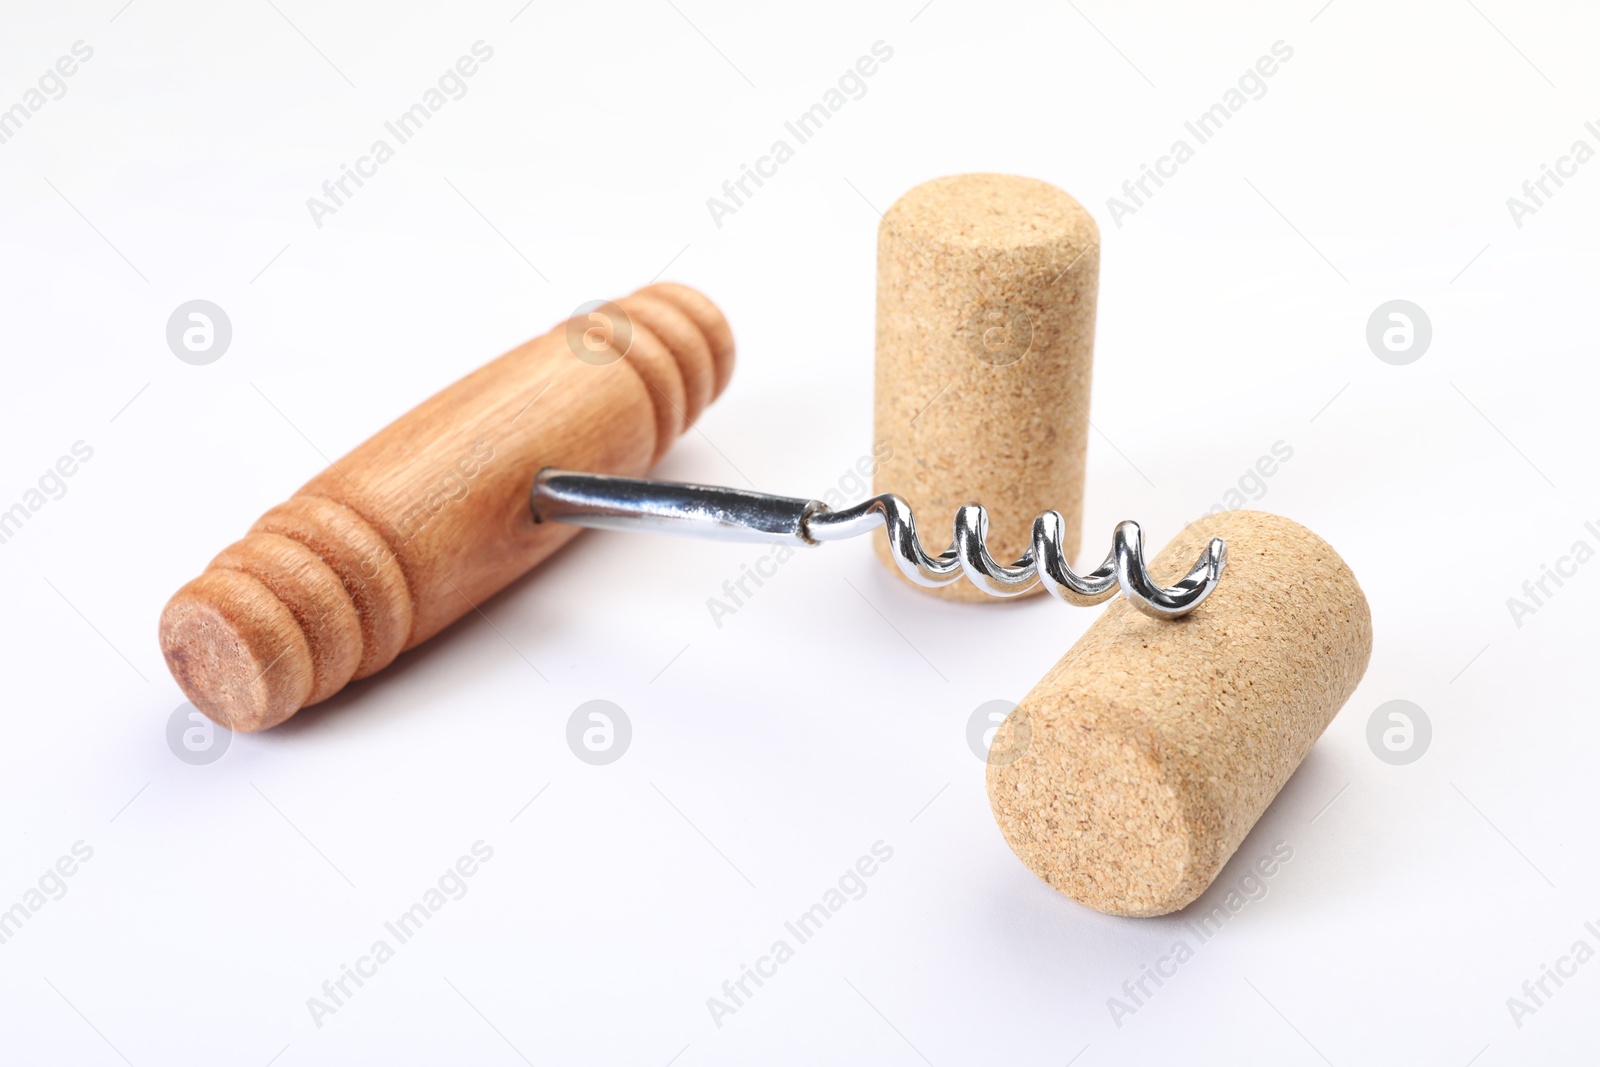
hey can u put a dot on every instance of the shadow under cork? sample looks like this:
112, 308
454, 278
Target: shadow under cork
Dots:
1262, 866
1097, 961
1263, 882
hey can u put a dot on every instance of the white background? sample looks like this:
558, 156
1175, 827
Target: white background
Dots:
769, 753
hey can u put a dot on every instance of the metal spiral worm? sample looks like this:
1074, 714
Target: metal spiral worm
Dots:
968, 555
609, 502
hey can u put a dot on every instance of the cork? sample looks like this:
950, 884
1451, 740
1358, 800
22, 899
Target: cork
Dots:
985, 336
1135, 768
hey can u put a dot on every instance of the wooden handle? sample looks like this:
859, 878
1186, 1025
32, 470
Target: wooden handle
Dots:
430, 517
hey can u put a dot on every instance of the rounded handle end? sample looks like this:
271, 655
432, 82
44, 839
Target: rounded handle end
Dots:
236, 651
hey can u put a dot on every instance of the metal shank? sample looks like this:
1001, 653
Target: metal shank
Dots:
737, 515
706, 511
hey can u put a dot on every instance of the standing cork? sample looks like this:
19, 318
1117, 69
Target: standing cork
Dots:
1135, 768
986, 298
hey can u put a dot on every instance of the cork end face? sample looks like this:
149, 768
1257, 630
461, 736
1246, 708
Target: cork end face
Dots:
1089, 810
236, 651
990, 211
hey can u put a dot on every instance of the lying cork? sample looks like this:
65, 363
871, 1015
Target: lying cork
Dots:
1150, 750
985, 335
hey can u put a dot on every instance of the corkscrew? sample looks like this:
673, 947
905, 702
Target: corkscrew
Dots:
432, 515
606, 502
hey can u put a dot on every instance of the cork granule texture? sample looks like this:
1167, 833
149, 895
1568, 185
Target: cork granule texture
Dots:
985, 337
1152, 747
